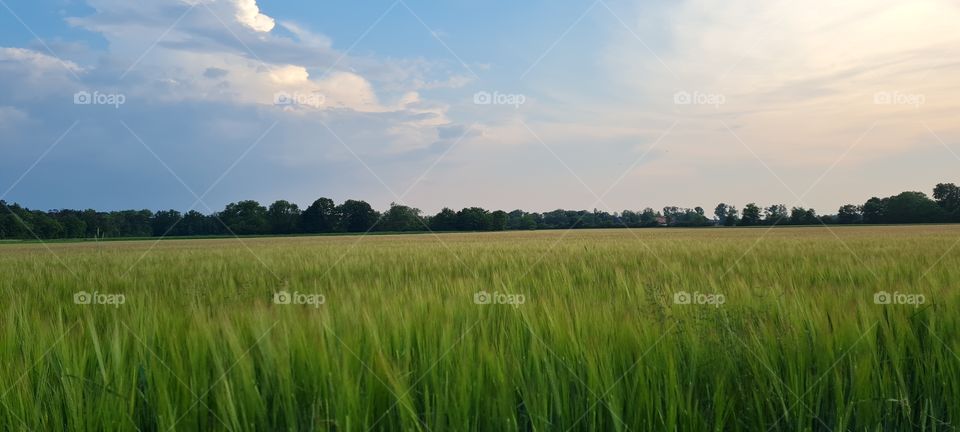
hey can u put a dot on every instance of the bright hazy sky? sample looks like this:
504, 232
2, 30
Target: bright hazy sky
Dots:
641, 103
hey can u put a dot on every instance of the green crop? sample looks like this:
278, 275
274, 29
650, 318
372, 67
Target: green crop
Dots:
789, 329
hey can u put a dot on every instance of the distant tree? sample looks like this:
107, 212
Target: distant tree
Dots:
10, 227
498, 220
775, 214
92, 220
873, 211
514, 219
73, 225
245, 217
802, 216
357, 216
133, 223
529, 221
684, 217
912, 207
401, 218
319, 217
165, 221
44, 226
649, 217
720, 211
630, 218
751, 215
249, 217
733, 217
473, 219
849, 214
671, 214
948, 198
195, 223
446, 220
558, 219
283, 217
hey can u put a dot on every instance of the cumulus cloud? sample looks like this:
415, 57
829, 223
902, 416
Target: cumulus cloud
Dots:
216, 76
199, 60
248, 13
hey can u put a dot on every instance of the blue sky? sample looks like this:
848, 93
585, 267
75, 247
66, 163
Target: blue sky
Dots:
538, 105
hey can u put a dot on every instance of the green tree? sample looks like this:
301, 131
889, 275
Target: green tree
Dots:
733, 217
498, 220
751, 215
283, 217
195, 223
44, 226
165, 221
133, 223
446, 220
12, 221
720, 211
874, 211
528, 221
912, 207
775, 214
357, 216
319, 217
245, 217
802, 216
948, 197
849, 214
648, 217
401, 218
473, 219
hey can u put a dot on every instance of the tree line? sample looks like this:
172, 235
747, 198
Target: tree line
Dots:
352, 216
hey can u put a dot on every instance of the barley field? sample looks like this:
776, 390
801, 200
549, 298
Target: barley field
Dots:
789, 329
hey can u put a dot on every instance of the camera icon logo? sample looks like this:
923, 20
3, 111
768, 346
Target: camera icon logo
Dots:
82, 298
282, 297
682, 98
883, 298
682, 298
82, 98
482, 98
282, 98
482, 298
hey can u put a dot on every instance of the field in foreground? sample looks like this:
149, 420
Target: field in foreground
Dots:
712, 329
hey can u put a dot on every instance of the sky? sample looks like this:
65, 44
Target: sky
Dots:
538, 105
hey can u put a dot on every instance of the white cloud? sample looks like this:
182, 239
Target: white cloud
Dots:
248, 14
254, 70
799, 78
200, 91
37, 60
